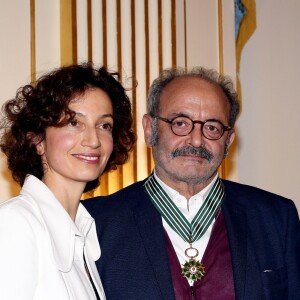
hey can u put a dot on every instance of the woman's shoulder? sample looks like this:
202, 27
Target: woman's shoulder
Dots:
18, 203
20, 244
21, 212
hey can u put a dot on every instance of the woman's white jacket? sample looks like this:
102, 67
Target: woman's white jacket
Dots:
42, 249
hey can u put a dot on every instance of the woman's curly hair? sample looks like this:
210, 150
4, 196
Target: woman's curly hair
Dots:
37, 107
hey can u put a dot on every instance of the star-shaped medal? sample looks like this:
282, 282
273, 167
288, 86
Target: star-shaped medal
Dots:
193, 270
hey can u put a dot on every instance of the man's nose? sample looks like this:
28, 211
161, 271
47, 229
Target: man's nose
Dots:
196, 135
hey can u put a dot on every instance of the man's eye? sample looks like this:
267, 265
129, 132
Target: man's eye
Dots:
212, 128
179, 124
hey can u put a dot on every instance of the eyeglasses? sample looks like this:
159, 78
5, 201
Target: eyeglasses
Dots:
182, 126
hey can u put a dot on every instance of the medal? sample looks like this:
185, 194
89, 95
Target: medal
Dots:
192, 269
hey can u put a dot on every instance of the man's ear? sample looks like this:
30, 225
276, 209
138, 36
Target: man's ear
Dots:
231, 137
229, 140
147, 126
37, 141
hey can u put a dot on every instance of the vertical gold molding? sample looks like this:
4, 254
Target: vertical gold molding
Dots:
104, 26
222, 169
133, 84
89, 31
185, 38
104, 187
68, 32
147, 70
220, 30
32, 42
173, 32
118, 174
119, 38
146, 25
74, 31
159, 30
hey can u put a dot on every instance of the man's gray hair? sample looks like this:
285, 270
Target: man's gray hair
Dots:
209, 75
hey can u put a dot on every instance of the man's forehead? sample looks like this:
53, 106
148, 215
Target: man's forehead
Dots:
196, 98
187, 86
189, 81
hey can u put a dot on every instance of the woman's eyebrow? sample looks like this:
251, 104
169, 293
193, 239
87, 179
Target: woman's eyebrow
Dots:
100, 116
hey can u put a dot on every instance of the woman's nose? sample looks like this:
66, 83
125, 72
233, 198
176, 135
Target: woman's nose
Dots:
91, 138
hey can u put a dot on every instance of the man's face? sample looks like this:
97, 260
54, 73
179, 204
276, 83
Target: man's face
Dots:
175, 158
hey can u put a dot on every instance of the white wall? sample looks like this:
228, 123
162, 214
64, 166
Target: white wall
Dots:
15, 57
269, 126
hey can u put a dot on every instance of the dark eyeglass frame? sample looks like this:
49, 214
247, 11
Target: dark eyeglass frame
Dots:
225, 128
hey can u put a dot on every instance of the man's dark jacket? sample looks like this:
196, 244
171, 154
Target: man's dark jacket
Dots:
263, 231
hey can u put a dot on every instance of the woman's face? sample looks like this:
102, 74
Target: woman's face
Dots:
79, 151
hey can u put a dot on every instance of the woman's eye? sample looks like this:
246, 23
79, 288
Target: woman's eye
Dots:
107, 127
73, 122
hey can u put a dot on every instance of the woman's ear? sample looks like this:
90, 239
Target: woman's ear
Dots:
37, 141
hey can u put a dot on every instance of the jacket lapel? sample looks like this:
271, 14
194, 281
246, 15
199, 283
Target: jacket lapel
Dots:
235, 218
149, 225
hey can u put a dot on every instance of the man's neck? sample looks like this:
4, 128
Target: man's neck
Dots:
186, 189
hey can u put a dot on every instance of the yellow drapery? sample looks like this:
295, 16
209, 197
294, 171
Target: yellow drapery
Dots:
247, 28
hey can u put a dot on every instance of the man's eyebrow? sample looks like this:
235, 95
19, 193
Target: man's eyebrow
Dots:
179, 114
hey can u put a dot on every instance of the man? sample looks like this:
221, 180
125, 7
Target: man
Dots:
183, 233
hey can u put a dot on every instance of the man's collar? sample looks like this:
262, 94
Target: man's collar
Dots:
173, 193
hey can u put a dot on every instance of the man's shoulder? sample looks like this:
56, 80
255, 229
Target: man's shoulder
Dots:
136, 187
251, 195
125, 196
241, 188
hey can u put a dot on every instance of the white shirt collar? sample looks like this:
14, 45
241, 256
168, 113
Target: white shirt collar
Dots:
173, 193
61, 228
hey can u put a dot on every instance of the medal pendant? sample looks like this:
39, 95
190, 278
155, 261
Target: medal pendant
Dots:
193, 270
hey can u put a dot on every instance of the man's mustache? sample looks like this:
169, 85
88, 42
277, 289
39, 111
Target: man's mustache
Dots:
199, 151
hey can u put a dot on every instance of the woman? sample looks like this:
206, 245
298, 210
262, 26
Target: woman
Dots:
59, 137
